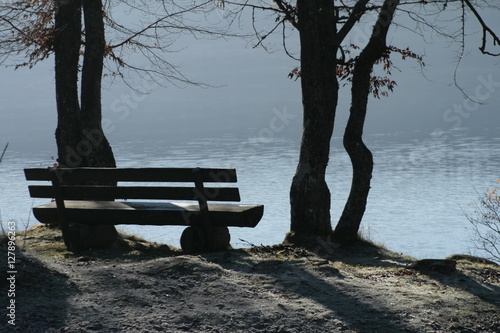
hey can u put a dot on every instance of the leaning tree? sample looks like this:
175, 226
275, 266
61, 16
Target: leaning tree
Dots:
376, 50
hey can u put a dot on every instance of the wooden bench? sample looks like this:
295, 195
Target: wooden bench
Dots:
95, 204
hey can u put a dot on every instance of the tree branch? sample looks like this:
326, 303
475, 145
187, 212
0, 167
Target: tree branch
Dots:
486, 31
358, 11
289, 11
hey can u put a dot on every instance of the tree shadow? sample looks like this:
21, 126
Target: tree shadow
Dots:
363, 253
477, 285
41, 295
350, 309
285, 270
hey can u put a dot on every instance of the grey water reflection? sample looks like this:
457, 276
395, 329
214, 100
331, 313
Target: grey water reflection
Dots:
419, 187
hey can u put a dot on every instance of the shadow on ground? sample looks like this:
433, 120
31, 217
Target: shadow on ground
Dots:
349, 310
36, 285
262, 289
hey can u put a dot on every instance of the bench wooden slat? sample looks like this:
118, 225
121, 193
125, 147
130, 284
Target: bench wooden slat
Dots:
75, 175
87, 196
136, 192
150, 213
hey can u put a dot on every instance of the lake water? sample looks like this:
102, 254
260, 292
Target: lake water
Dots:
420, 187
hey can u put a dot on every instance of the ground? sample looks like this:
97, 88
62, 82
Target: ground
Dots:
139, 286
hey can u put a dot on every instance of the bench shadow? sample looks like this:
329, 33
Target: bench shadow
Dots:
130, 247
47, 240
41, 295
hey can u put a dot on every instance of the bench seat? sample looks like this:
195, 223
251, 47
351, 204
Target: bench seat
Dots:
150, 213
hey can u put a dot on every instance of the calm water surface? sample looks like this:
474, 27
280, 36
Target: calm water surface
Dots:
420, 188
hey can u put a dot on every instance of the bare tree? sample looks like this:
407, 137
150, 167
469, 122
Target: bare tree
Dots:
347, 228
376, 49
486, 223
323, 28
31, 31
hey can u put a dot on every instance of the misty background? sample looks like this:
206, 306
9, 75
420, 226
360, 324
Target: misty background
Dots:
248, 83
434, 149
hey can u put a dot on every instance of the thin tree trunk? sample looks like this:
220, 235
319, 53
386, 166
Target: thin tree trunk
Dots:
97, 149
67, 42
309, 193
347, 228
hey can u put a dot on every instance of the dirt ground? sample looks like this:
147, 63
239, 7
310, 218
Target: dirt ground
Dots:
145, 287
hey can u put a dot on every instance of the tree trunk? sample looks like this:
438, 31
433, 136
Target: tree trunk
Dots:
97, 151
79, 135
67, 42
309, 193
347, 228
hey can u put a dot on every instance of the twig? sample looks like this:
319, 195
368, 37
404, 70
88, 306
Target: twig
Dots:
3, 153
247, 242
26, 226
486, 31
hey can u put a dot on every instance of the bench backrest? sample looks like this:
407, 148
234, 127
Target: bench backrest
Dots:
63, 178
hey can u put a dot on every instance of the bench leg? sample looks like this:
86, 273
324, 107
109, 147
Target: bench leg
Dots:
96, 236
193, 239
220, 239
71, 236
82, 237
